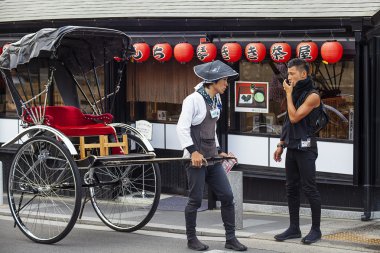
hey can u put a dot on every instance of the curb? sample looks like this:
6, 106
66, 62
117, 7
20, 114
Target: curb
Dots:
156, 227
325, 213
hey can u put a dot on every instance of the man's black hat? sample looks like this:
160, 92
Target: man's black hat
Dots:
214, 70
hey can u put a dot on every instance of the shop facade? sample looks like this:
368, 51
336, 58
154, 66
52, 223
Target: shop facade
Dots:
348, 167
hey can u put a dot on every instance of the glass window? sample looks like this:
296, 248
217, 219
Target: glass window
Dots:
334, 82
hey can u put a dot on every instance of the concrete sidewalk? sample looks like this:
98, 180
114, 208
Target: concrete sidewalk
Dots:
339, 235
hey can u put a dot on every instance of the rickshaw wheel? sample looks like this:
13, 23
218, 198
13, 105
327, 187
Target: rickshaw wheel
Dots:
126, 197
44, 190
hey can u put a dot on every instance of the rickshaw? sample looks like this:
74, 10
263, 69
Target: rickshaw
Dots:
72, 153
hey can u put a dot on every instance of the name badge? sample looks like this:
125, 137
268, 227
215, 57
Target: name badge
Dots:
306, 144
214, 113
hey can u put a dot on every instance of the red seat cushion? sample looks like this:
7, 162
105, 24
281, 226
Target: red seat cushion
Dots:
86, 130
72, 122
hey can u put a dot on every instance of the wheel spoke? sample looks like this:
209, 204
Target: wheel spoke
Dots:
131, 203
43, 190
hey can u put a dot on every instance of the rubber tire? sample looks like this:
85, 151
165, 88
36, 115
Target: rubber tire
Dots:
154, 204
78, 192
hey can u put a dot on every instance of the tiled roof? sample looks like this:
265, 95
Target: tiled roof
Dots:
28, 10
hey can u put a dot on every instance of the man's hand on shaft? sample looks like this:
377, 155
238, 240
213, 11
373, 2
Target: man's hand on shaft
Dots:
197, 159
223, 154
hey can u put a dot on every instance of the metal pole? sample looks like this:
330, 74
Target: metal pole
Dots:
236, 182
1, 183
367, 198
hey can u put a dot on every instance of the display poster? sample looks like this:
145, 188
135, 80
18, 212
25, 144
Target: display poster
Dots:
251, 96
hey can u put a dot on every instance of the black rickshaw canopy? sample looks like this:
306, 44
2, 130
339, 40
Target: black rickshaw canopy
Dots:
55, 43
72, 53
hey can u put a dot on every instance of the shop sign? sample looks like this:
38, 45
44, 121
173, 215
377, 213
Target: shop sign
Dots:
162, 52
307, 50
251, 96
206, 52
142, 52
255, 52
280, 52
231, 52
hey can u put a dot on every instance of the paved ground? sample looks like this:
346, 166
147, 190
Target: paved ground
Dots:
100, 239
339, 235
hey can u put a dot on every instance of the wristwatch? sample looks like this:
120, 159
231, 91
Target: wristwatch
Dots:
281, 145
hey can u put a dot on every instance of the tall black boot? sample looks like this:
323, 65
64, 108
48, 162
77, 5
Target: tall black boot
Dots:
234, 244
292, 232
197, 245
313, 236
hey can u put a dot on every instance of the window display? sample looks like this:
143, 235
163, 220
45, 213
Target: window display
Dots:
251, 97
334, 82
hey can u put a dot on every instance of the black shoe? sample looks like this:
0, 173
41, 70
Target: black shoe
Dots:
195, 244
290, 233
234, 244
313, 236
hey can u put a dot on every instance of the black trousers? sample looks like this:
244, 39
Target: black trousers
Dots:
216, 178
300, 170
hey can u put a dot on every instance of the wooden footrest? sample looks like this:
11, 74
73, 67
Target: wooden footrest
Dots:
103, 145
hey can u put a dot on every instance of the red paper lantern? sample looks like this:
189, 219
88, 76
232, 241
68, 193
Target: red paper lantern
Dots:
255, 52
2, 49
307, 50
162, 52
142, 52
280, 52
231, 52
183, 52
331, 52
206, 52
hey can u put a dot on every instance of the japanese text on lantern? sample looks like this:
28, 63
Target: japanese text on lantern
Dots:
278, 53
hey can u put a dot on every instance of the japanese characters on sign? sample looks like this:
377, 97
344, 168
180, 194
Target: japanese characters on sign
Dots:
206, 52
142, 52
280, 52
307, 50
162, 52
231, 52
255, 52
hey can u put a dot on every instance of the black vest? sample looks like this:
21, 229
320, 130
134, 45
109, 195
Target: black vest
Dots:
203, 135
293, 134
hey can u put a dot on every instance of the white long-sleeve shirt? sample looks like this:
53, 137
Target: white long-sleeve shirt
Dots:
193, 113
